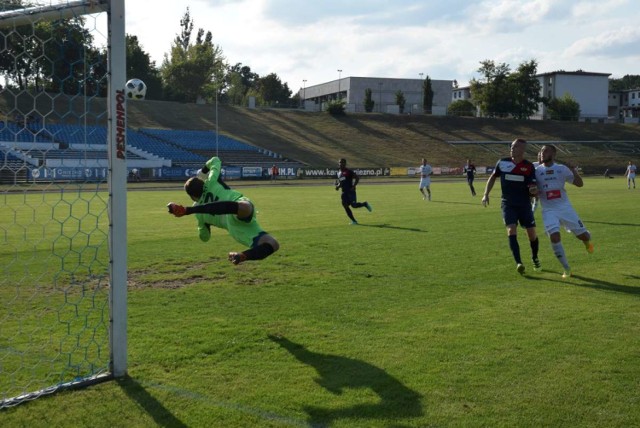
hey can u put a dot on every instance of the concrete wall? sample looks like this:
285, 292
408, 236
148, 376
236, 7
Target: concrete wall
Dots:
591, 91
383, 92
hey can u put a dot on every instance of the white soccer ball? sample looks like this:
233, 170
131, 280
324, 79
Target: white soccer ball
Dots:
136, 89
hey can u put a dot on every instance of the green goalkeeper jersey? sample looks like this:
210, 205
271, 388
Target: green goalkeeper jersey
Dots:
243, 231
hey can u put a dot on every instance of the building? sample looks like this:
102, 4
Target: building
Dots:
625, 105
461, 93
590, 90
383, 93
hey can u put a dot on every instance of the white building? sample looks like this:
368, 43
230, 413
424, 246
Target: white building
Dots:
383, 93
461, 93
590, 90
625, 105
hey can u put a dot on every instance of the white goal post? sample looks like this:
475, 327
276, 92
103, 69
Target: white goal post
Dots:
63, 179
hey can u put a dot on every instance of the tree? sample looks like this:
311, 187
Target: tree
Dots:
461, 108
492, 94
525, 88
336, 108
500, 93
628, 81
194, 69
239, 80
54, 55
139, 65
400, 100
427, 91
368, 101
273, 91
564, 108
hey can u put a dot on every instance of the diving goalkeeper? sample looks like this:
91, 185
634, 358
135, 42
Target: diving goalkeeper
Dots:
216, 204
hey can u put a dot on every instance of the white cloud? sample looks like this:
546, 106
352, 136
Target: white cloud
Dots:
621, 42
310, 40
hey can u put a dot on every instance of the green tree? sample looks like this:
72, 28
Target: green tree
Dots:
492, 94
195, 69
273, 91
628, 81
368, 101
59, 56
461, 108
336, 108
427, 95
564, 108
525, 90
239, 80
139, 65
400, 100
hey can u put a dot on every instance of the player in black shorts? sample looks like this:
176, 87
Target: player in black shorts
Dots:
347, 181
470, 170
518, 182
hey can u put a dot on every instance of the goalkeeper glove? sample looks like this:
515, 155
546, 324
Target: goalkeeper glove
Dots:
176, 209
202, 175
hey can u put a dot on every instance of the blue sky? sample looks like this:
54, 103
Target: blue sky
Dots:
312, 39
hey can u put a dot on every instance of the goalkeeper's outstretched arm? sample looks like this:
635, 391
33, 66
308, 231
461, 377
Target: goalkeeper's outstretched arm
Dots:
213, 208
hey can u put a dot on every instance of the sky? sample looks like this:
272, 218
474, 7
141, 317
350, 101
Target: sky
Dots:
312, 39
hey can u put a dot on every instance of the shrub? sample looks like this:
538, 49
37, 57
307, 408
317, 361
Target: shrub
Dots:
336, 108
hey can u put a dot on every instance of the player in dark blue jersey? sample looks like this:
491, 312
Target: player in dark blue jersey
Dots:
470, 170
347, 181
518, 182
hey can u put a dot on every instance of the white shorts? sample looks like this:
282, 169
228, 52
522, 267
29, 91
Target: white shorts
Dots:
568, 218
425, 182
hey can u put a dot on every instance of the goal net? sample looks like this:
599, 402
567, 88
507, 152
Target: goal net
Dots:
62, 195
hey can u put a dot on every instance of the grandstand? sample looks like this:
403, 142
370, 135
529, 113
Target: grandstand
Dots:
206, 144
33, 144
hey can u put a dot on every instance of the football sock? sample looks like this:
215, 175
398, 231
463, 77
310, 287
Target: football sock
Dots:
515, 248
558, 250
349, 212
259, 252
222, 207
359, 204
535, 245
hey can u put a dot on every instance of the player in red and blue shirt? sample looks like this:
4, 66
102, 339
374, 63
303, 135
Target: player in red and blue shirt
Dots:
347, 181
518, 182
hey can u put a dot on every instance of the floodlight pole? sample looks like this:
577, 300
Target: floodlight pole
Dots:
339, 76
421, 92
304, 93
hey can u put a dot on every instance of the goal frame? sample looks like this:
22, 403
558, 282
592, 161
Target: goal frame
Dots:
116, 179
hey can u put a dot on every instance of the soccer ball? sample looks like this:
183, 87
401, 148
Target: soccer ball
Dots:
136, 89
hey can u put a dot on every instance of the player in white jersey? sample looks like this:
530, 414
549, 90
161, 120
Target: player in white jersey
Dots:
425, 172
631, 175
557, 211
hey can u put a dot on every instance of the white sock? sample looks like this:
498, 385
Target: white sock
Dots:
558, 250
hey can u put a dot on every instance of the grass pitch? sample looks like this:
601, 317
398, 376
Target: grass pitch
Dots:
416, 317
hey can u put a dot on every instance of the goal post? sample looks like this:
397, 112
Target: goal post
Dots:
63, 178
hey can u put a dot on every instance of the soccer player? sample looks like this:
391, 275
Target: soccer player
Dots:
216, 204
470, 170
425, 172
518, 182
347, 181
556, 208
631, 175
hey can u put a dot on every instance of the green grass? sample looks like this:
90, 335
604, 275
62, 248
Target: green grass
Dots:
414, 318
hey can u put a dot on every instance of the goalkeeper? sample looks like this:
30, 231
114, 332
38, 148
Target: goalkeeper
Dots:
216, 204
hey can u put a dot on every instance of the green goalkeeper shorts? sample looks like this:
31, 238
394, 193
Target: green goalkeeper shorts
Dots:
244, 231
